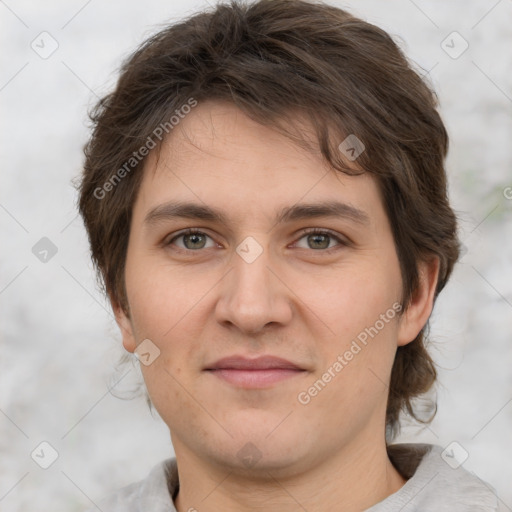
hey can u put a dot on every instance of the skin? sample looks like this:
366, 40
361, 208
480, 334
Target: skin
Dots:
303, 299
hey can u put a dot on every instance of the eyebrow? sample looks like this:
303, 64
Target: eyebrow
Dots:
195, 211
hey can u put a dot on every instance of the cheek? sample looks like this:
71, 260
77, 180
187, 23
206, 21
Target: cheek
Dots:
161, 297
173, 397
352, 382
352, 300
165, 304
359, 308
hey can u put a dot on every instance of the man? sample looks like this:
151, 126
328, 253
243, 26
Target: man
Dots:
265, 198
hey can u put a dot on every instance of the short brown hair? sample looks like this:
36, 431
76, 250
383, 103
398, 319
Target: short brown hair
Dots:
276, 59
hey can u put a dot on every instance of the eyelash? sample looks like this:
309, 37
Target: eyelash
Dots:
307, 231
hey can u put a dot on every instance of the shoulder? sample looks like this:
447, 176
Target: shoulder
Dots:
436, 482
152, 493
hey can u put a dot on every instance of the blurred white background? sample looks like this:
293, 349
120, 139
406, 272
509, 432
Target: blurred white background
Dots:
58, 343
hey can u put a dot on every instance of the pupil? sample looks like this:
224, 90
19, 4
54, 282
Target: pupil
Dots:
194, 239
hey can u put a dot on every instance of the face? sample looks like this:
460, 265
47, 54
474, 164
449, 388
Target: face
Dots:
263, 273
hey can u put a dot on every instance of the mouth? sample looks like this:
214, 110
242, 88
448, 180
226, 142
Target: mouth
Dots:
254, 373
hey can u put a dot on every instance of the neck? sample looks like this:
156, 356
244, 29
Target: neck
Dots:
351, 480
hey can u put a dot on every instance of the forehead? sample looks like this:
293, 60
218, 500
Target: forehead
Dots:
220, 130
218, 156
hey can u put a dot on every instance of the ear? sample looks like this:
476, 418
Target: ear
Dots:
418, 312
125, 326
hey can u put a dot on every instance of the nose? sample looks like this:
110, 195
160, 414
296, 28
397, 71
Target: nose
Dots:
254, 295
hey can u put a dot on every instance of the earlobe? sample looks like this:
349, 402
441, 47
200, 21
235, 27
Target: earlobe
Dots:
125, 326
418, 312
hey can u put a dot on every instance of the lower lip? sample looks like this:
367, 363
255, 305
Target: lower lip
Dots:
255, 378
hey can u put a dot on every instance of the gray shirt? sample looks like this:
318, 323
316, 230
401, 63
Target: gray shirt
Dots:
432, 485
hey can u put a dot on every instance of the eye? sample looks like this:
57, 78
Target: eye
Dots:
192, 240
318, 239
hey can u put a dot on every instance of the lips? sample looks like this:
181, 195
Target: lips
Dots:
259, 363
260, 373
